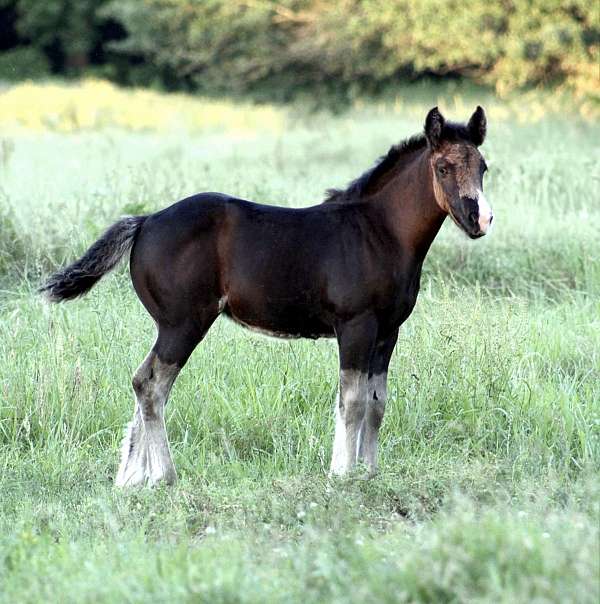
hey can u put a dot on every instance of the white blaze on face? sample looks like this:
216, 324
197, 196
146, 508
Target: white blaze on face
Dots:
485, 212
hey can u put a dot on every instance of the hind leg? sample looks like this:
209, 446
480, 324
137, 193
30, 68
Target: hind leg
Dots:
145, 455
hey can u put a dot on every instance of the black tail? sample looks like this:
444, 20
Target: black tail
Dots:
78, 278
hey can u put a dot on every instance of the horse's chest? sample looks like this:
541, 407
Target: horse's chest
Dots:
403, 301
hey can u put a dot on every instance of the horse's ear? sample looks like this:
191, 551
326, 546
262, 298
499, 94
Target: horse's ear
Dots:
477, 126
434, 124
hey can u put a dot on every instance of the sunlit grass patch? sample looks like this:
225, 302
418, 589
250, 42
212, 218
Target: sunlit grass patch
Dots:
98, 104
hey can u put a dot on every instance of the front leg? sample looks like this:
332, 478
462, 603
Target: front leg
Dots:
356, 340
376, 400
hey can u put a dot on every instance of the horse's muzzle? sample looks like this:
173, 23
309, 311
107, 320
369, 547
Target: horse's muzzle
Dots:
474, 216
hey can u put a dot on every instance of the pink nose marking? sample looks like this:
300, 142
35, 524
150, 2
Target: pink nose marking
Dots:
485, 221
485, 213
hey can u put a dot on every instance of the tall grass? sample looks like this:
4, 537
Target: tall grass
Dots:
490, 448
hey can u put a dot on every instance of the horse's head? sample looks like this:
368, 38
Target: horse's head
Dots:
458, 169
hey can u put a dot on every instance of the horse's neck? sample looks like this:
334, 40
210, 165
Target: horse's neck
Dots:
409, 208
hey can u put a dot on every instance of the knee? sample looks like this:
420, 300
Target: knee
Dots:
354, 410
353, 395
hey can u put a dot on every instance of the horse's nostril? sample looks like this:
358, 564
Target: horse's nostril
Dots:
491, 218
473, 217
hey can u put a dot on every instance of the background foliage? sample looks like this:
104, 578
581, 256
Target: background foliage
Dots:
274, 48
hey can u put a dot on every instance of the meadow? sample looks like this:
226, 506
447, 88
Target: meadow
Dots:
489, 483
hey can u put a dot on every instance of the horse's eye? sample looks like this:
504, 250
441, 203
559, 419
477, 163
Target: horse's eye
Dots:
443, 171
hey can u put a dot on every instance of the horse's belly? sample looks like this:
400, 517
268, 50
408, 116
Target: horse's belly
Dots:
288, 325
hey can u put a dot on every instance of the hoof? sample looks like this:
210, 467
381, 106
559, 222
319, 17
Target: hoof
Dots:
141, 477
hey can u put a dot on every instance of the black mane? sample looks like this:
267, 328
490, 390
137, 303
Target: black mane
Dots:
370, 180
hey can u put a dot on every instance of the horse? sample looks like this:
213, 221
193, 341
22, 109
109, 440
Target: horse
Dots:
348, 268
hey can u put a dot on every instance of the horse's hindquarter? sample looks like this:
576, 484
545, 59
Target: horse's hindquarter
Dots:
175, 260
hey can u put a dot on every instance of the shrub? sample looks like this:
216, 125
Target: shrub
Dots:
23, 63
67, 32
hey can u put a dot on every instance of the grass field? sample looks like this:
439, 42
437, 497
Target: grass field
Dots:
489, 485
